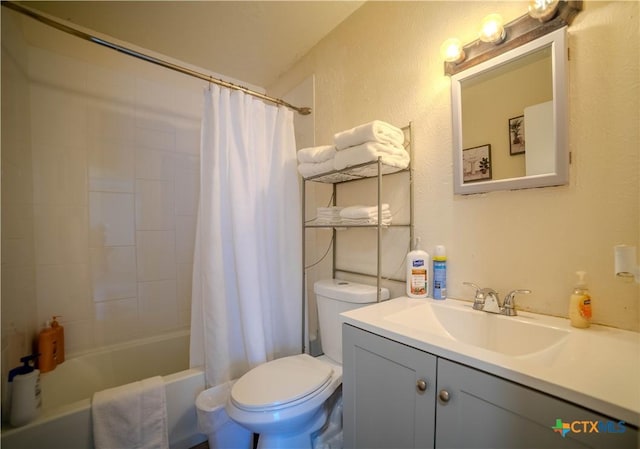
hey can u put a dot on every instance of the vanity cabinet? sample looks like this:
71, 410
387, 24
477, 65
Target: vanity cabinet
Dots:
388, 393
460, 407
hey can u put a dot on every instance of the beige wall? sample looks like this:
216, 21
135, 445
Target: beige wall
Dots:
384, 63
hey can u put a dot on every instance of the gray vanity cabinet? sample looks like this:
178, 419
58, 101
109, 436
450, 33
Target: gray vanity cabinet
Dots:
386, 403
461, 407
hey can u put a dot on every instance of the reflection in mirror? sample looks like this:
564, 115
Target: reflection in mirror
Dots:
512, 107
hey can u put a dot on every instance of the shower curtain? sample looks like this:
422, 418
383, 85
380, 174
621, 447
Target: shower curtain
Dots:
247, 274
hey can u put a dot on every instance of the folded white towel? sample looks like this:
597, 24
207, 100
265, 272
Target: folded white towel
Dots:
308, 169
355, 212
370, 151
376, 131
316, 154
131, 416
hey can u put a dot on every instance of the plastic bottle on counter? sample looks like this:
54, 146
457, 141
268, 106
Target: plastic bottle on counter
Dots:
59, 338
580, 303
417, 272
440, 273
24, 391
48, 349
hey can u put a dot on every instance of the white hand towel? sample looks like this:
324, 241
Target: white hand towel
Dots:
376, 131
308, 169
316, 154
370, 151
131, 416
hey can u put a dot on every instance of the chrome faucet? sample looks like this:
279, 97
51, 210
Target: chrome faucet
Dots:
487, 300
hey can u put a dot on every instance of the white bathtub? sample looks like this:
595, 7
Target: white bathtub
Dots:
65, 421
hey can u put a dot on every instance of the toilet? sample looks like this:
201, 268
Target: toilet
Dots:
287, 400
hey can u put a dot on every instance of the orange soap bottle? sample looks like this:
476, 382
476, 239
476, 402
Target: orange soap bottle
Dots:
47, 349
59, 338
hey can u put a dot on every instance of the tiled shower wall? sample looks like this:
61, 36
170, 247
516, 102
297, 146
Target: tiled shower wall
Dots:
109, 205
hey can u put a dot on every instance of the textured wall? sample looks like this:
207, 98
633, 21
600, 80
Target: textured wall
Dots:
384, 63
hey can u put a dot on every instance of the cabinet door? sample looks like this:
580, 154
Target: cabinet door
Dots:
386, 403
484, 411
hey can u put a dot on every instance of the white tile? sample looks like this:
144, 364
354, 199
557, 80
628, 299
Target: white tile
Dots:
57, 70
185, 238
154, 164
61, 234
158, 305
156, 255
116, 321
155, 204
59, 174
112, 219
113, 273
63, 290
110, 85
78, 335
58, 117
184, 281
188, 139
111, 122
155, 139
187, 192
111, 167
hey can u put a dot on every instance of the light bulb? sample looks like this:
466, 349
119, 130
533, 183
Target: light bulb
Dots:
451, 50
543, 10
492, 29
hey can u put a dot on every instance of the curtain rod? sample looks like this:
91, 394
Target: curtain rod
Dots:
88, 37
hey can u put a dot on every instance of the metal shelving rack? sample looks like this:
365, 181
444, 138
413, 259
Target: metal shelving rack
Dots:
353, 174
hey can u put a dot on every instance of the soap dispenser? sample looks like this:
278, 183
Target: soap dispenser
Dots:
580, 303
48, 348
59, 339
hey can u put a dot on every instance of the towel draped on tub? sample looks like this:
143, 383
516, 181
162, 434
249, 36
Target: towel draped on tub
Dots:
132, 416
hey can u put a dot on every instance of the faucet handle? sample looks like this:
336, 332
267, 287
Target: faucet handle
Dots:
478, 300
509, 305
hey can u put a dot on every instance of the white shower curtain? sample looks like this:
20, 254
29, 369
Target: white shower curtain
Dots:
247, 274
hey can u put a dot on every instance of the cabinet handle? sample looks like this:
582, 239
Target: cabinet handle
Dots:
421, 385
444, 396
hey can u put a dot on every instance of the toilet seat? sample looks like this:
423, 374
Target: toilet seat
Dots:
281, 383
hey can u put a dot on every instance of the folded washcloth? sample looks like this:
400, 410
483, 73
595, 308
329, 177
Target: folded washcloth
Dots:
131, 416
355, 212
316, 154
308, 169
393, 155
376, 131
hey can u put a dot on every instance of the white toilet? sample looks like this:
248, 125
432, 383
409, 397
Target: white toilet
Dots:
288, 399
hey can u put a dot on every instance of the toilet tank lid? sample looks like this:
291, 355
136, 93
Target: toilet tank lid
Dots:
348, 291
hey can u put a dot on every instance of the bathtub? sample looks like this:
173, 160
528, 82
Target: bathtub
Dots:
65, 420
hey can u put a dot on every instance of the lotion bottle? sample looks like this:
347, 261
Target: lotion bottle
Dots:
417, 272
580, 303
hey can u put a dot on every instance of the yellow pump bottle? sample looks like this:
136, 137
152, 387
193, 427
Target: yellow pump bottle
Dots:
580, 303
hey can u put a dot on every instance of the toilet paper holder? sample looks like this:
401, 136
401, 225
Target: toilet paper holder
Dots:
626, 265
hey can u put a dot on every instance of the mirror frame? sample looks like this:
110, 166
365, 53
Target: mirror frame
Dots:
557, 41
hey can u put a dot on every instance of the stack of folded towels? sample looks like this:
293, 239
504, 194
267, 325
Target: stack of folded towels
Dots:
364, 143
328, 215
364, 215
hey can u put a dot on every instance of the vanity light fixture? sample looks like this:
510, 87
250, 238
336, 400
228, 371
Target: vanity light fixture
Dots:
492, 29
544, 16
543, 10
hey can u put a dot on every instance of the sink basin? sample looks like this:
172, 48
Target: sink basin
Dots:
514, 336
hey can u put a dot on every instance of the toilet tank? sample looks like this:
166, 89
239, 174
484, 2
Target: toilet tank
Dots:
333, 297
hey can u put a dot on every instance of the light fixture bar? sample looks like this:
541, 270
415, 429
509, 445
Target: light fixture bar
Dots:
518, 32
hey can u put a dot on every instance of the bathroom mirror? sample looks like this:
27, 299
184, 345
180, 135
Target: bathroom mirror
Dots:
510, 119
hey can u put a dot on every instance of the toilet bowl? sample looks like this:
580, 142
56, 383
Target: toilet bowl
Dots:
286, 401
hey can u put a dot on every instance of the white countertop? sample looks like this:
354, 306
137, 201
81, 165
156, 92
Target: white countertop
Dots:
597, 368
